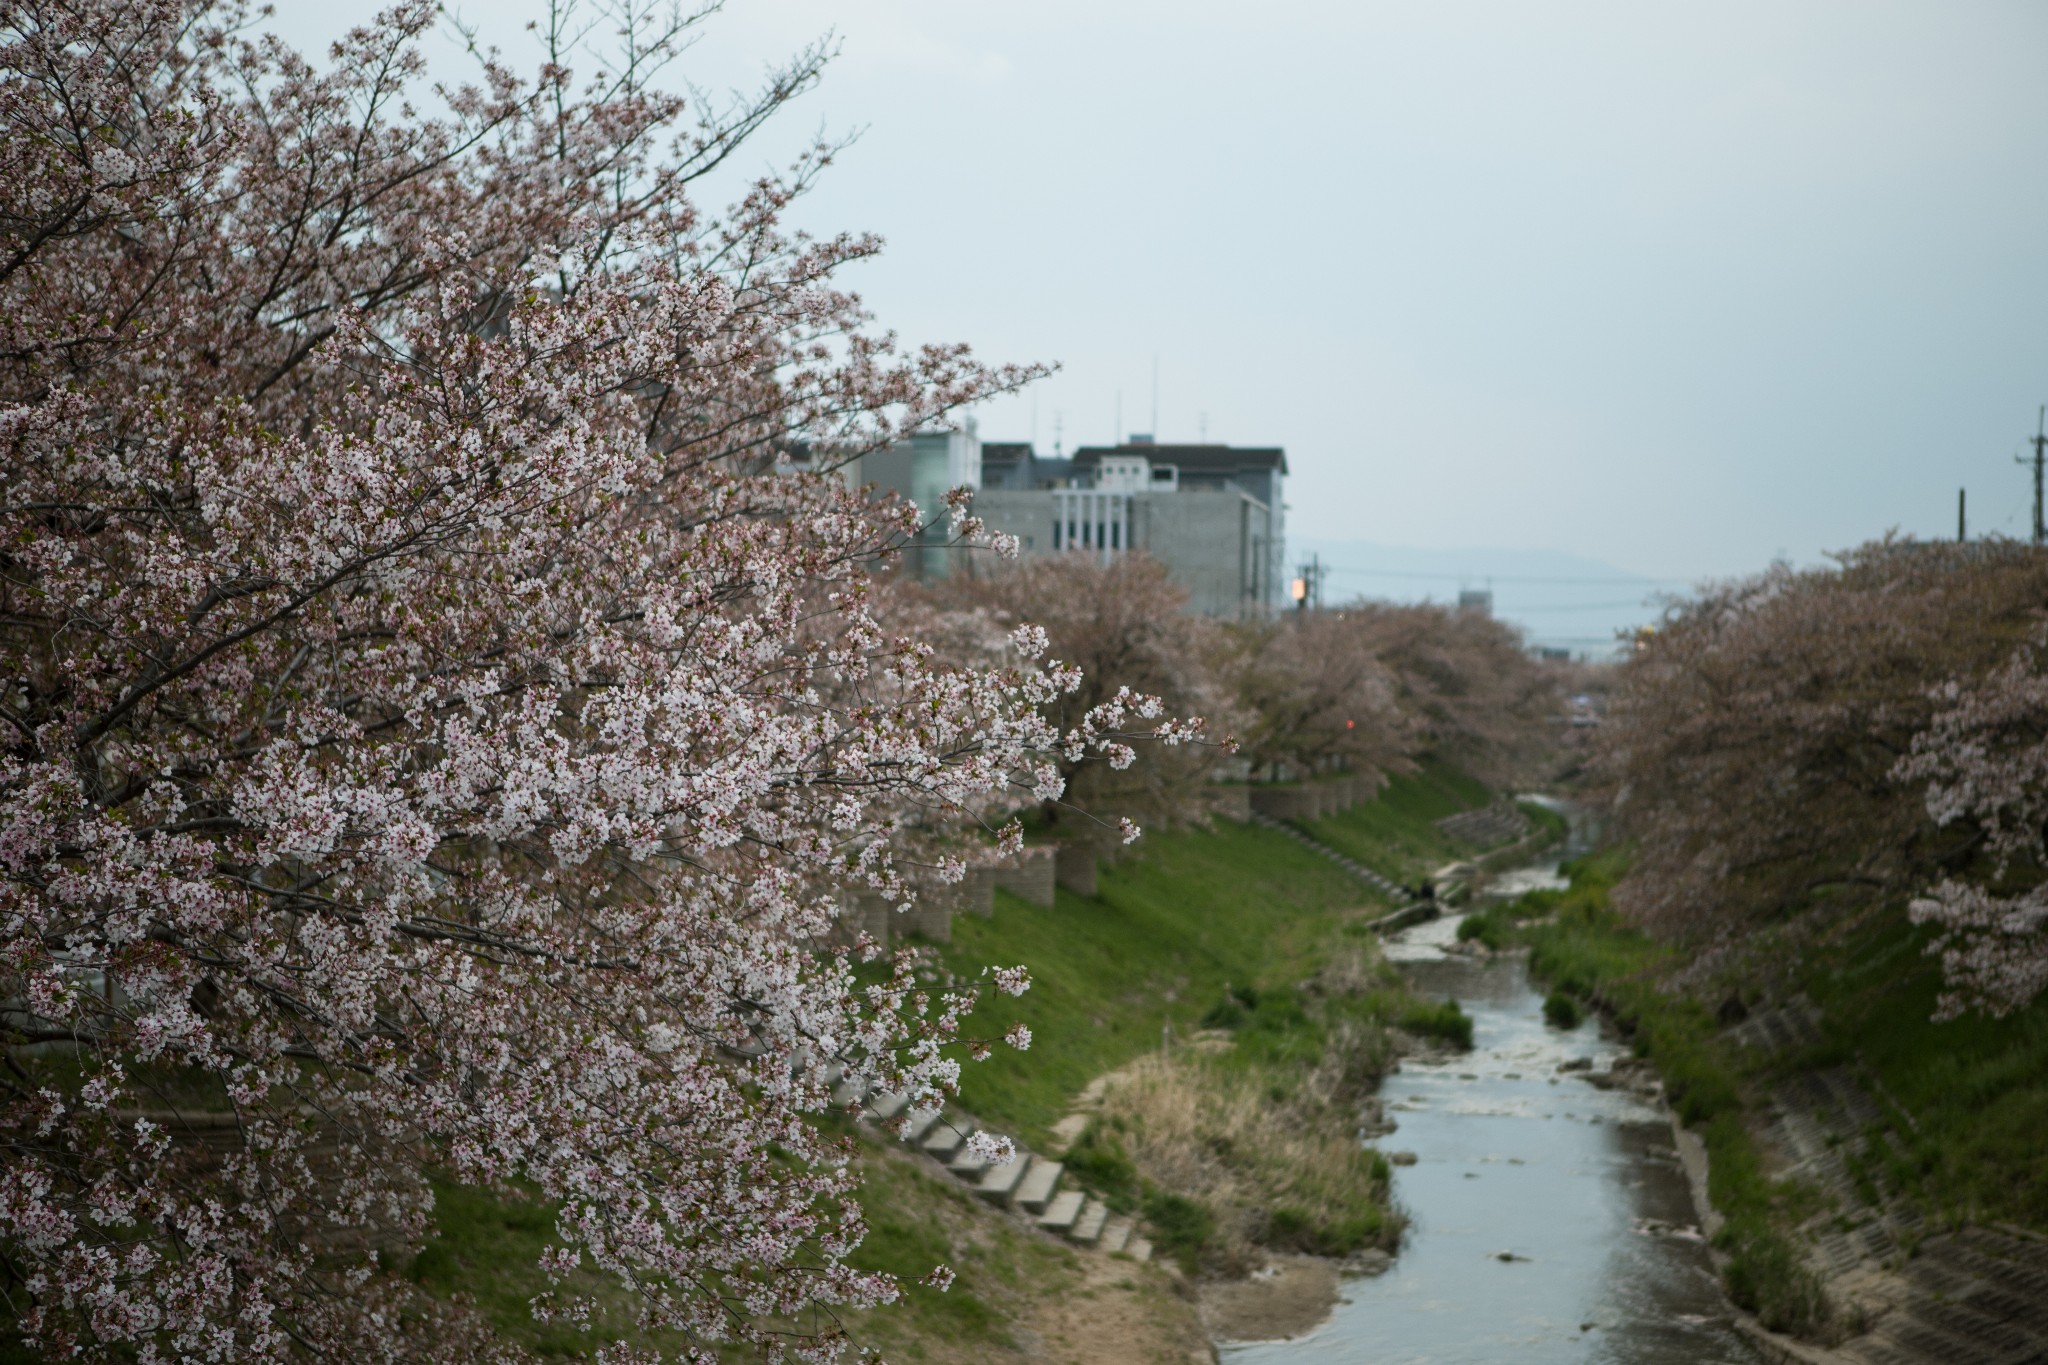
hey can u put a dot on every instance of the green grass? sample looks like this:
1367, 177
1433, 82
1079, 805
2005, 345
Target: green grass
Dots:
1211, 929
1495, 925
1976, 1089
487, 1247
1181, 1228
1561, 1011
1395, 834
1545, 820
1167, 935
1443, 1021
905, 1239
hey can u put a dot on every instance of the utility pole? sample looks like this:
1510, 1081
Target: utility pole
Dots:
1962, 532
2040, 443
1307, 587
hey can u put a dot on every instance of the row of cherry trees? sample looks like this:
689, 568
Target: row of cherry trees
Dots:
441, 726
437, 726
1371, 687
1804, 745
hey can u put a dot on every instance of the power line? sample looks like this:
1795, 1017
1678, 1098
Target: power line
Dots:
1502, 578
1568, 606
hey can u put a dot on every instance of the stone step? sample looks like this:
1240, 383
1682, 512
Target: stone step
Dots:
887, 1106
920, 1124
1060, 1214
1116, 1235
1041, 1182
944, 1141
999, 1184
969, 1167
1087, 1229
1139, 1249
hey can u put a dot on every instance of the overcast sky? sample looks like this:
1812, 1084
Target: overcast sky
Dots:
1676, 287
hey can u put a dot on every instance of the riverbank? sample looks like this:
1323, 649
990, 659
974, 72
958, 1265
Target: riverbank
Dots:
1206, 1027
1552, 1219
1861, 1159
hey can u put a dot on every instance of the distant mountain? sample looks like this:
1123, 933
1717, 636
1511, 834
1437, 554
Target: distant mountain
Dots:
1562, 600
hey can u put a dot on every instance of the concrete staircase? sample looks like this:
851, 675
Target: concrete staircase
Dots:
1028, 1185
1386, 886
1499, 823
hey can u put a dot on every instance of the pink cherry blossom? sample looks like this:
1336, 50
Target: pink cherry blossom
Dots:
447, 697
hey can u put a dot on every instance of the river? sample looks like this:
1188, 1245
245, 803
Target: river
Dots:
1578, 1188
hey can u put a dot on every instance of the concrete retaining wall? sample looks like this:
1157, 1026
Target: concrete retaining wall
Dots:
1309, 800
1286, 803
1075, 869
1030, 877
976, 893
1231, 801
866, 913
931, 917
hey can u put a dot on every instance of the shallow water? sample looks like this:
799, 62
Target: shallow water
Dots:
1513, 1157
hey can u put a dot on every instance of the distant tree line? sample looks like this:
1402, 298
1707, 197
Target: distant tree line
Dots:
1804, 747
1372, 687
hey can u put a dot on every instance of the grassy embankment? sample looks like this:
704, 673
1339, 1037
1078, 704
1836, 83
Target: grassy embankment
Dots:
1226, 973
1396, 835
1971, 1096
1226, 977
1173, 930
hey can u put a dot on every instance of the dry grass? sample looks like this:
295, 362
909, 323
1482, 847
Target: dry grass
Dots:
1262, 1135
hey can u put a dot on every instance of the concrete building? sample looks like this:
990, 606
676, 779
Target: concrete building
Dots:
1212, 514
922, 469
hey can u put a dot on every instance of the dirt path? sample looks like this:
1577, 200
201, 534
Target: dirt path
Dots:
1116, 1314
1291, 1297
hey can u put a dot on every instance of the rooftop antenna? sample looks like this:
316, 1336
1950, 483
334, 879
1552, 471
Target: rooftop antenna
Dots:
1155, 395
1202, 425
1118, 438
1059, 442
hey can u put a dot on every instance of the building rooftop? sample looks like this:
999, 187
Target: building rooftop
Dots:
1004, 452
1220, 459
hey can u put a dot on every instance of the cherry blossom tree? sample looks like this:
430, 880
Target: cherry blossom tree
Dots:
1318, 695
1984, 760
439, 721
1123, 623
1765, 747
1377, 685
1475, 696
